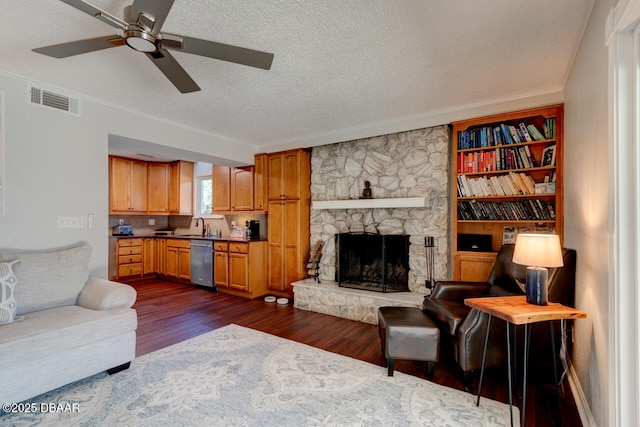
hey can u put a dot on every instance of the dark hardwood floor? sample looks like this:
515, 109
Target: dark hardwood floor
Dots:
169, 313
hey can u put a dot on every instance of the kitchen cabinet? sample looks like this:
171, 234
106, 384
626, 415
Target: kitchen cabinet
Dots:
232, 189
221, 264
289, 175
288, 244
127, 186
160, 251
148, 256
129, 257
260, 188
221, 188
158, 188
242, 189
154, 188
181, 188
178, 259
232, 273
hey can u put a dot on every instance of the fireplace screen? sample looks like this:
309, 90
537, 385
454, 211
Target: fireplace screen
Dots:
373, 262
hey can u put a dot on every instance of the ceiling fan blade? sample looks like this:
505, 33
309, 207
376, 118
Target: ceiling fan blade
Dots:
97, 13
225, 52
64, 50
157, 9
173, 71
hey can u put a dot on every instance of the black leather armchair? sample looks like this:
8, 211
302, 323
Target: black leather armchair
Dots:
463, 330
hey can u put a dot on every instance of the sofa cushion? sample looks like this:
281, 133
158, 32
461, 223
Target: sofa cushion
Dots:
56, 329
49, 279
8, 282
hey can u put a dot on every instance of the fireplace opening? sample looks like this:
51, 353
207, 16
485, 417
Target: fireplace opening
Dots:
373, 262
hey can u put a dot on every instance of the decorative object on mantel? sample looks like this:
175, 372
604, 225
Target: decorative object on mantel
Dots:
367, 193
430, 246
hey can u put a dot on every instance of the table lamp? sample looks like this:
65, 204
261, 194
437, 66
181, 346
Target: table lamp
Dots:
537, 252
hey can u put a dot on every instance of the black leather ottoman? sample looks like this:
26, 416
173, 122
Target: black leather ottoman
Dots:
408, 333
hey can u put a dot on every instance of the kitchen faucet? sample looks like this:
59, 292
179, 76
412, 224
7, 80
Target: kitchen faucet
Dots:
204, 226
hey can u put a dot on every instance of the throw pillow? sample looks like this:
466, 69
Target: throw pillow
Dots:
8, 282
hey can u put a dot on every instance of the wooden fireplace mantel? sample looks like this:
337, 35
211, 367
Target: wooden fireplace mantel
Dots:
399, 202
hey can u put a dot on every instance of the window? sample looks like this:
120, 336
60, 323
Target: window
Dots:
204, 195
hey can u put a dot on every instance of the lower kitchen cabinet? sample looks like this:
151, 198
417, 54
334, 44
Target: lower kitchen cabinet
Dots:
178, 259
129, 257
240, 268
221, 264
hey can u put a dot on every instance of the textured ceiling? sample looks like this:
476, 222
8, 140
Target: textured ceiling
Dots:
339, 65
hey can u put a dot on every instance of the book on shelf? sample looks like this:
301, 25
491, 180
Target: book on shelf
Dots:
505, 133
517, 210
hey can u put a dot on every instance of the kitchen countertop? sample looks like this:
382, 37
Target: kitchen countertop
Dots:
193, 237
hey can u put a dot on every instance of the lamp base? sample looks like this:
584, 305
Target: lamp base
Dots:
536, 287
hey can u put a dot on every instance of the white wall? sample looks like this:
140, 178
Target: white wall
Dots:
56, 164
586, 174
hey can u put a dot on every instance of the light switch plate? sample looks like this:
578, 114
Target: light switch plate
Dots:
70, 222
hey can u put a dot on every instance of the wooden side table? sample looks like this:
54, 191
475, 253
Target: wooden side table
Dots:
515, 310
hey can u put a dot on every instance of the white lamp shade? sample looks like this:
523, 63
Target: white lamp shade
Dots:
538, 250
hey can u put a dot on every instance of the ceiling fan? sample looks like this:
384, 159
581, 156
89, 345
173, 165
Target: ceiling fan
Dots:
140, 30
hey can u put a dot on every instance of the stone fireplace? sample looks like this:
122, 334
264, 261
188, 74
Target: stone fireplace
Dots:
373, 262
400, 167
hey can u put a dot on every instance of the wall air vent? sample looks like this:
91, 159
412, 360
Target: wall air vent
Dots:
50, 99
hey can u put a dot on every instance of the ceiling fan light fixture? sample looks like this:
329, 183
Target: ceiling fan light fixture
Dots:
140, 41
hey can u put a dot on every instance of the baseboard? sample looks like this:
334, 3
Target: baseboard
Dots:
578, 395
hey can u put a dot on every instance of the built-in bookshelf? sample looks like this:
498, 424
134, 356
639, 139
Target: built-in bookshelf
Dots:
507, 178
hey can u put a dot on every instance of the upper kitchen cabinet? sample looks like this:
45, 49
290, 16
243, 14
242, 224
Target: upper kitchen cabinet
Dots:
287, 173
154, 188
158, 188
181, 188
242, 189
127, 186
260, 190
221, 184
233, 189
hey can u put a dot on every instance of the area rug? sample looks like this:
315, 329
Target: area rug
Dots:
235, 376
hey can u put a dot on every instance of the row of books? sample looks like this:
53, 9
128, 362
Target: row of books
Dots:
510, 184
520, 210
498, 159
506, 133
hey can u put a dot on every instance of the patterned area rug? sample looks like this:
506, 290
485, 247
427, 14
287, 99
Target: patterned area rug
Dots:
235, 376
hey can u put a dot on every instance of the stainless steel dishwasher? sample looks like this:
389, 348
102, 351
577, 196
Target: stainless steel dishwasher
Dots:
202, 263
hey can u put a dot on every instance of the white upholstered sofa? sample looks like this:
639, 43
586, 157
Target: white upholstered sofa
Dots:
66, 325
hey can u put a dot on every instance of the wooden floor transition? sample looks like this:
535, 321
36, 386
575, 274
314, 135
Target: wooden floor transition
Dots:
169, 313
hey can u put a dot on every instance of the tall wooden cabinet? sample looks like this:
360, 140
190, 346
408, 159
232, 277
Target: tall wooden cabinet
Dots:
289, 178
507, 178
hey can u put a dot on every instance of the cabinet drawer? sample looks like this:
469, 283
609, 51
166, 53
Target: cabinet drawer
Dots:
131, 250
178, 243
129, 259
239, 248
129, 242
130, 270
221, 246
